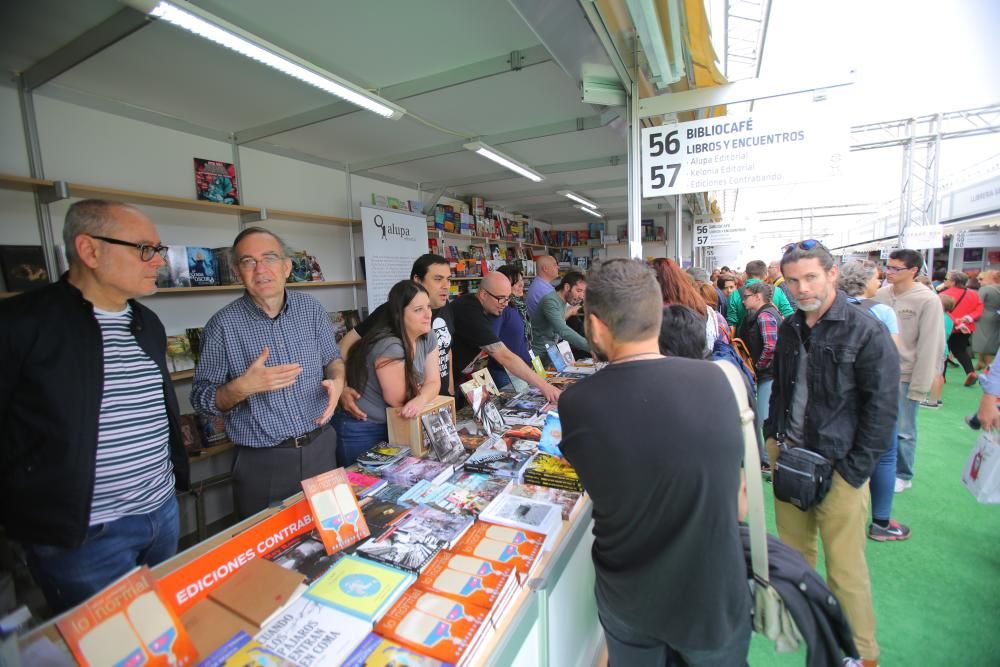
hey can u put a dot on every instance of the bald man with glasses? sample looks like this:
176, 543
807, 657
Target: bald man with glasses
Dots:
92, 450
475, 314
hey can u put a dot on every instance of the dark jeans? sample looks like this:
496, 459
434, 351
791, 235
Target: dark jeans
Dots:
958, 343
628, 647
263, 476
355, 437
883, 482
67, 577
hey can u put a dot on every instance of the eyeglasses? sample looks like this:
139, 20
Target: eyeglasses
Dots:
146, 251
897, 269
808, 244
249, 263
500, 299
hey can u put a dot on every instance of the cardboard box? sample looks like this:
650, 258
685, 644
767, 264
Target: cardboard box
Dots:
410, 432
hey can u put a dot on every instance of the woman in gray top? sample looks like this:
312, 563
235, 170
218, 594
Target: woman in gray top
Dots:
387, 368
986, 337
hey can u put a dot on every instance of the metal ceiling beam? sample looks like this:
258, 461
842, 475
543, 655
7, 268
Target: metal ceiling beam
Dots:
568, 206
538, 132
95, 40
483, 69
576, 187
558, 168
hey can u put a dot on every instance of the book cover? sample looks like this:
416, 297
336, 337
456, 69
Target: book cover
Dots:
433, 624
360, 587
377, 651
502, 544
176, 268
202, 269
400, 548
441, 435
191, 434
469, 492
509, 466
311, 634
382, 454
213, 429
411, 470
127, 623
179, 356
364, 485
551, 434
335, 509
555, 358
524, 513
305, 555
257, 590
466, 579
210, 625
315, 272
552, 469
381, 513
427, 522
215, 181
227, 274
391, 492
242, 650
23, 267
301, 271
523, 433
566, 500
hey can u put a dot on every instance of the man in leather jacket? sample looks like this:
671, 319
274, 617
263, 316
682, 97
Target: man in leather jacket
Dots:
836, 373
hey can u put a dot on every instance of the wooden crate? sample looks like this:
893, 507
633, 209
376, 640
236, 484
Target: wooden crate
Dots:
410, 432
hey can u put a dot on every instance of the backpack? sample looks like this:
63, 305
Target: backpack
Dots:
738, 355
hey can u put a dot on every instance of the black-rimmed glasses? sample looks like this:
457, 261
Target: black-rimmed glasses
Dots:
808, 244
146, 251
250, 263
500, 299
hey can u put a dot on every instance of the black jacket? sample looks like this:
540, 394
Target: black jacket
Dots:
51, 350
853, 387
816, 612
751, 334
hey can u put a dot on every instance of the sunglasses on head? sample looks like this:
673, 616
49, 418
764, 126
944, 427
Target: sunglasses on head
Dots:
808, 244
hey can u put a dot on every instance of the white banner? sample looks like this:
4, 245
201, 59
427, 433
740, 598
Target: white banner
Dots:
741, 151
393, 240
721, 233
921, 237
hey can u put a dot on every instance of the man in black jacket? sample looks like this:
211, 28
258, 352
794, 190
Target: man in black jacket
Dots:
92, 447
835, 374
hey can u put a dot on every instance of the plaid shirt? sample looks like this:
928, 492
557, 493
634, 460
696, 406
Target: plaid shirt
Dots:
236, 336
769, 333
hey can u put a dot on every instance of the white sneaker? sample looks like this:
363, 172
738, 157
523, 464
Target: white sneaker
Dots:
902, 485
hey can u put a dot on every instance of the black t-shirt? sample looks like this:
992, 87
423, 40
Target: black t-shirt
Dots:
443, 325
474, 329
658, 446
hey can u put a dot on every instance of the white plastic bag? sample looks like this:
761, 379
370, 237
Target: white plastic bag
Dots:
981, 475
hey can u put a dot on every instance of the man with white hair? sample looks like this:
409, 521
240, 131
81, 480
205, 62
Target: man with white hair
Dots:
92, 446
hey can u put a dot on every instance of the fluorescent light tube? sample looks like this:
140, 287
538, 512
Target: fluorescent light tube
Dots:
198, 21
503, 160
577, 198
595, 213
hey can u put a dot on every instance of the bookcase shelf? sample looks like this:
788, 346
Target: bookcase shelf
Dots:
166, 201
23, 183
182, 375
282, 214
454, 278
234, 288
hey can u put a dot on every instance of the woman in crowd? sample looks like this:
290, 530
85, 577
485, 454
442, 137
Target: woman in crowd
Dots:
513, 327
968, 309
678, 288
986, 338
387, 368
860, 281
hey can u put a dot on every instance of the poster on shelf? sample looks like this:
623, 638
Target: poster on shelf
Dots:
392, 241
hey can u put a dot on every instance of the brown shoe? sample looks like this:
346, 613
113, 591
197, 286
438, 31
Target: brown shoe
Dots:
870, 663
970, 379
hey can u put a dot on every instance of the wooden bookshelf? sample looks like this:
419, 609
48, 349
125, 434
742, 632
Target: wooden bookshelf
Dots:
235, 288
282, 214
166, 201
182, 375
23, 183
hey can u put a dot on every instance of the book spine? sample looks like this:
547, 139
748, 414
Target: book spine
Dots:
553, 482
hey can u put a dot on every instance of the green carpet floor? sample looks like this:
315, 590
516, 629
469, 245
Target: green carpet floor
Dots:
937, 595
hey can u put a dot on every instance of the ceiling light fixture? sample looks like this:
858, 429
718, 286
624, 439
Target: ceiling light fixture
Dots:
577, 198
198, 21
503, 160
593, 212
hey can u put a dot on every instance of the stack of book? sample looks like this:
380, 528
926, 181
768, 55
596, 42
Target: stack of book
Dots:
549, 470
381, 456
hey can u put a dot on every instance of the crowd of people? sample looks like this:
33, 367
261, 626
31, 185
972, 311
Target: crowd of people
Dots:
836, 360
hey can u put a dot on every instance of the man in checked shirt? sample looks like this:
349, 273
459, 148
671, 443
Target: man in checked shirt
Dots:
269, 364
760, 332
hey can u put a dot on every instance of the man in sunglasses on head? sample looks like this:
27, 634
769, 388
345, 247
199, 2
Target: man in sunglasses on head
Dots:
270, 365
834, 395
475, 314
92, 448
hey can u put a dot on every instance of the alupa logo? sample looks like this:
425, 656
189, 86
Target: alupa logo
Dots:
392, 229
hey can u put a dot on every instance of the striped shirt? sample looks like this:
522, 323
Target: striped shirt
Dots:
235, 336
133, 473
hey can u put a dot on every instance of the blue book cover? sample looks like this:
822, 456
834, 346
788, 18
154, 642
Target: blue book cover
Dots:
555, 356
551, 435
202, 269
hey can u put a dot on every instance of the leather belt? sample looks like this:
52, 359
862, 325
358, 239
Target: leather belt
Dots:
302, 440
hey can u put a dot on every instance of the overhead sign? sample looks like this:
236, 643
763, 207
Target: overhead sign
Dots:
393, 240
721, 233
741, 151
921, 237
974, 199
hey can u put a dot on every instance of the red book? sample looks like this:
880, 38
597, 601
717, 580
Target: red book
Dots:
468, 579
502, 545
127, 624
336, 513
432, 624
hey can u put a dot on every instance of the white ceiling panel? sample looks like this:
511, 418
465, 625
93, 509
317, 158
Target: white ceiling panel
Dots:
569, 147
174, 72
360, 136
459, 165
381, 43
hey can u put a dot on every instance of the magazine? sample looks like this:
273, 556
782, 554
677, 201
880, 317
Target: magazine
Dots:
215, 181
